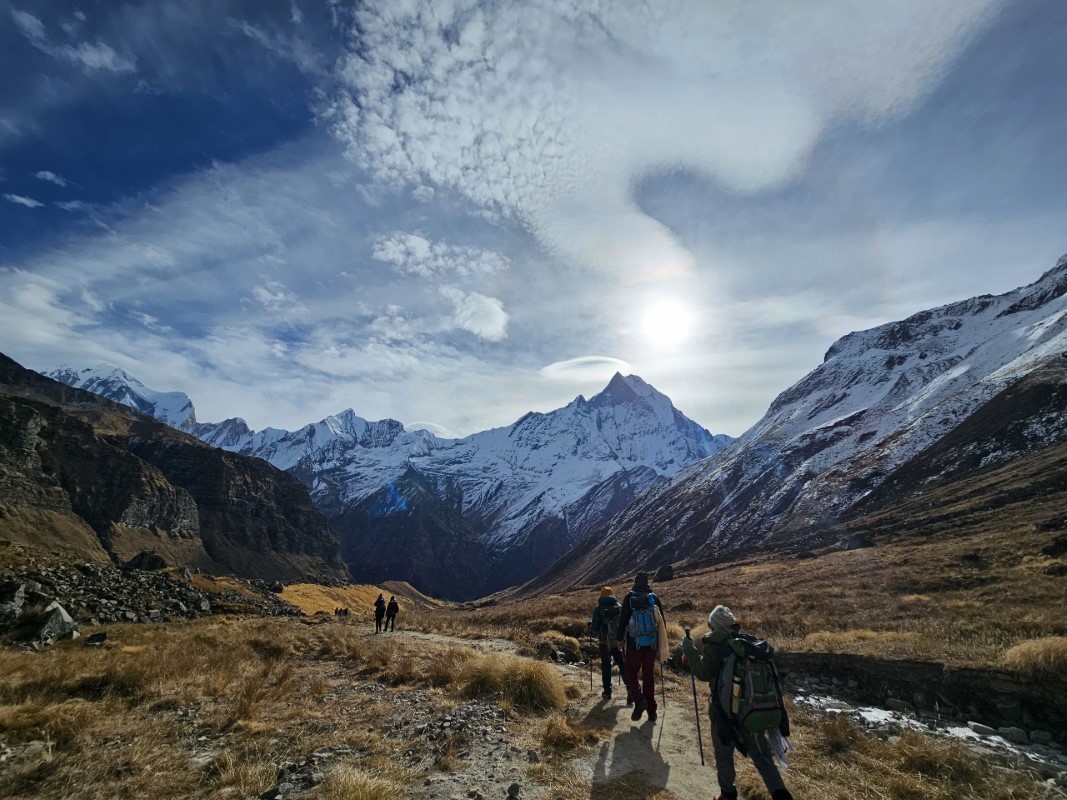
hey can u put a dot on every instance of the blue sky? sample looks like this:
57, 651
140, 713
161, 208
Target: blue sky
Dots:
452, 213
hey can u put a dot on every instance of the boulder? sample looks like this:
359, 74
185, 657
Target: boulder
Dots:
1057, 547
147, 560
1014, 735
856, 542
982, 730
664, 573
58, 625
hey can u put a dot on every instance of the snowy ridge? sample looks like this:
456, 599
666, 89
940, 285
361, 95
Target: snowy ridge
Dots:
879, 399
557, 475
107, 380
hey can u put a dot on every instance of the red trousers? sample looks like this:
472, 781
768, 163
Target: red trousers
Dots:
644, 661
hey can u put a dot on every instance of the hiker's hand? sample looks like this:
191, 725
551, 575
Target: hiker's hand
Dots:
685, 661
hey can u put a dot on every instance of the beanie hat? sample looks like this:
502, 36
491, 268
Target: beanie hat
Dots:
605, 591
721, 618
641, 581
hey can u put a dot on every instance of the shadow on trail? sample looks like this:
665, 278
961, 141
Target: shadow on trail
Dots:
629, 765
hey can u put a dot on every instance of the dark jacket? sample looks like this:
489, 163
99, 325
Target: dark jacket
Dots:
379, 607
596, 625
627, 612
393, 609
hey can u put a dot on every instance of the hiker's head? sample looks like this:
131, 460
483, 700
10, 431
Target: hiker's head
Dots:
641, 582
721, 618
605, 591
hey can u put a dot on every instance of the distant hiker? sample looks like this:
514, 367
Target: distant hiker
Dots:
390, 613
642, 623
379, 613
603, 626
746, 701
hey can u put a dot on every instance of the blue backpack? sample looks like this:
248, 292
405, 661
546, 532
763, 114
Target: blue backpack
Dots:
643, 626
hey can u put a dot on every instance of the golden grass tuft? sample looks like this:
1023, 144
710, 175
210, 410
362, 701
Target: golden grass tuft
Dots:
1045, 656
836, 736
349, 783
559, 734
564, 643
526, 684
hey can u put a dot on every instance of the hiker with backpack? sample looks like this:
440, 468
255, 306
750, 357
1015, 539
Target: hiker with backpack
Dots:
643, 625
746, 704
603, 625
379, 613
391, 611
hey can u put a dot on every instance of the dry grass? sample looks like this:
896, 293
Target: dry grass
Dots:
911, 597
349, 783
562, 735
837, 760
1038, 657
126, 720
525, 684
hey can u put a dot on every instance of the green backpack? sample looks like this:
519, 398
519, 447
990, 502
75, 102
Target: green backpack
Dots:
748, 688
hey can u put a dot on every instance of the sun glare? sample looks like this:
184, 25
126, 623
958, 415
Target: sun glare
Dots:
667, 323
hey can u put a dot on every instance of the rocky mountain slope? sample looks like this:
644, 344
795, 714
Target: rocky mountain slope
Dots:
944, 395
462, 517
89, 476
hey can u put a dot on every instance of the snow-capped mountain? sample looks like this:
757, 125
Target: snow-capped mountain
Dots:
515, 498
173, 408
880, 398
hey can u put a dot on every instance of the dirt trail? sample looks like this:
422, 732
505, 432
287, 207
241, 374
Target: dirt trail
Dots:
660, 755
492, 645
664, 753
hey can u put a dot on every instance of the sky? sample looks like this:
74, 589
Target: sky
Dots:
450, 213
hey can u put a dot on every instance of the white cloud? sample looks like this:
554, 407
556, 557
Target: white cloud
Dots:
96, 56
73, 205
415, 255
21, 200
584, 369
90, 55
31, 27
481, 315
289, 48
275, 296
548, 112
51, 177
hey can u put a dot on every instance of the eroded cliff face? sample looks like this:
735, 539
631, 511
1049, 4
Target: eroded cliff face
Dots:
137, 483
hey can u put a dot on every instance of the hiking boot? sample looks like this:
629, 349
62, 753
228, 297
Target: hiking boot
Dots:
629, 702
782, 794
639, 709
607, 694
651, 716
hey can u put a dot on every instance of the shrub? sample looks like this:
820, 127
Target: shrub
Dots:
1047, 656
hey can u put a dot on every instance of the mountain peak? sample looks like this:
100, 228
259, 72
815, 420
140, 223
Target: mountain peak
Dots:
622, 389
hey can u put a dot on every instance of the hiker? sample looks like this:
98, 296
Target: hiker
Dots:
708, 664
641, 621
390, 613
603, 625
379, 613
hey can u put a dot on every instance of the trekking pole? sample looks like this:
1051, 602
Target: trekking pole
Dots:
696, 708
662, 685
590, 673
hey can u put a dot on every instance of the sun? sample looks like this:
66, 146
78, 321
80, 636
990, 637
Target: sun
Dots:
667, 323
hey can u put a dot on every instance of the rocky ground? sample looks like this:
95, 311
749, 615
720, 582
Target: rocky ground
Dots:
92, 594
